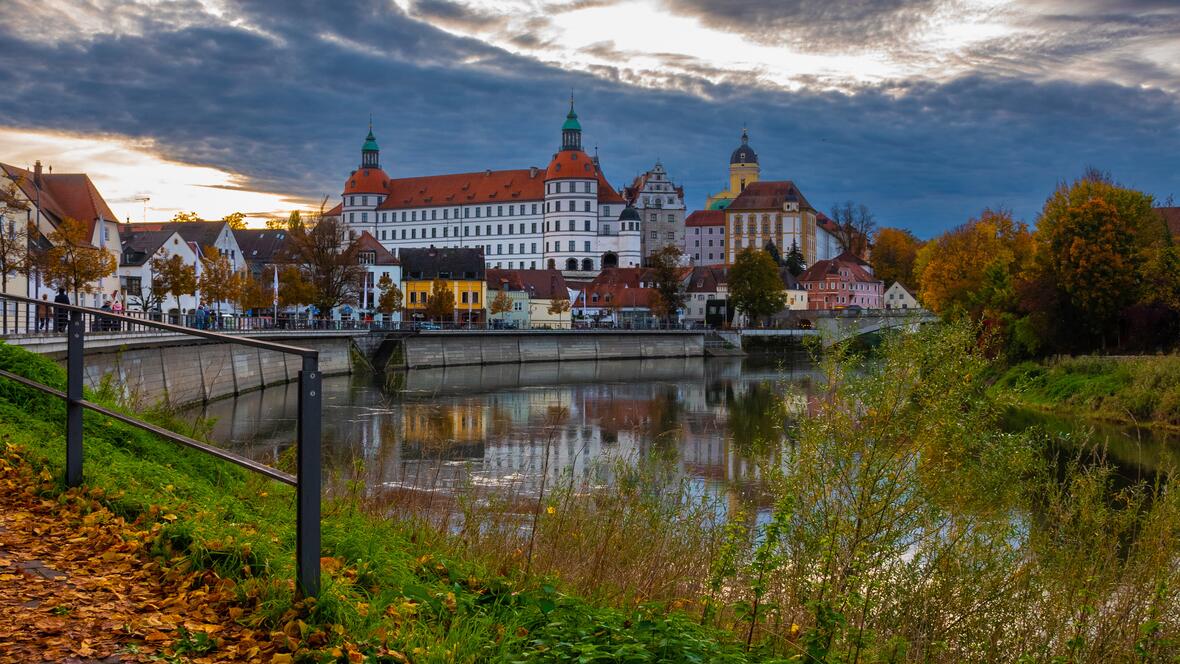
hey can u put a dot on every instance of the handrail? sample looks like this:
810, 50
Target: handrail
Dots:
308, 427
169, 327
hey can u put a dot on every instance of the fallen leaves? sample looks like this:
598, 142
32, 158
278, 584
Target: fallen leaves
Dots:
77, 584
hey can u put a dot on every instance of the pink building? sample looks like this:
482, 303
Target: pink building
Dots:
840, 283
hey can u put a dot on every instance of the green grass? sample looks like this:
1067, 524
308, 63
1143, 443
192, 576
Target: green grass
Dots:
1145, 390
400, 583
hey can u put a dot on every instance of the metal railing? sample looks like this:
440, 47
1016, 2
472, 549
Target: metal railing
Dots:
74, 321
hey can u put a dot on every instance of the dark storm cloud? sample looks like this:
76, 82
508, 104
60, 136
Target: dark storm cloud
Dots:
828, 24
284, 98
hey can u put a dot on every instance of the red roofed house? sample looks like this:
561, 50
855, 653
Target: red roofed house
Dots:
378, 262
840, 283
45, 200
704, 237
564, 217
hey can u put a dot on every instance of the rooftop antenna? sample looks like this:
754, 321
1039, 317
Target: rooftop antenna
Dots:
144, 199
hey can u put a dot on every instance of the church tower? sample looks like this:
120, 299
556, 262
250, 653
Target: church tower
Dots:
743, 171
571, 131
370, 153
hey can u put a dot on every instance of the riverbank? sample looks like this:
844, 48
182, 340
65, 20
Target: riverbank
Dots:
1142, 391
394, 589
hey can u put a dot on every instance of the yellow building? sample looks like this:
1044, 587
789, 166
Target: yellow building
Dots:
460, 268
770, 212
743, 171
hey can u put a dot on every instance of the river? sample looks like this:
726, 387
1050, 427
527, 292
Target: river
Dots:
440, 430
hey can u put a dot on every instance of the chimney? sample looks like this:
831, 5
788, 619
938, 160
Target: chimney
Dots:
532, 171
37, 173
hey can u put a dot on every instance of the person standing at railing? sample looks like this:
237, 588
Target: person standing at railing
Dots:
44, 314
62, 315
202, 316
117, 307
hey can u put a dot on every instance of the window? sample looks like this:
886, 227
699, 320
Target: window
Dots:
534, 208
488, 210
463, 297
606, 211
587, 204
518, 305
475, 297
571, 249
445, 230
477, 231
488, 229
653, 235
477, 213
433, 214
587, 225
499, 229
413, 233
534, 227
403, 233
433, 232
534, 248
466, 213
445, 213
671, 216
351, 217
587, 187
652, 216
466, 230
587, 245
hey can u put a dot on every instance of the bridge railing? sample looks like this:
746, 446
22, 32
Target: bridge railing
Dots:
21, 314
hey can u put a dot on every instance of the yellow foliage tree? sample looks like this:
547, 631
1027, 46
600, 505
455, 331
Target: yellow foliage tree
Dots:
441, 304
389, 299
894, 252
172, 276
236, 220
73, 263
217, 278
501, 304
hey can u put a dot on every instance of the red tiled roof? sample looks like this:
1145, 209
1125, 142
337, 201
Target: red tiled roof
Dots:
367, 181
570, 165
823, 221
64, 195
336, 211
822, 270
706, 218
541, 284
366, 242
465, 189
769, 195
610, 296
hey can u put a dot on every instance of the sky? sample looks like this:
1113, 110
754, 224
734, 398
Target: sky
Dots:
926, 111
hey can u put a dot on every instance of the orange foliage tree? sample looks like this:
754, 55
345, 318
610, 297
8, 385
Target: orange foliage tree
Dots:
73, 263
894, 253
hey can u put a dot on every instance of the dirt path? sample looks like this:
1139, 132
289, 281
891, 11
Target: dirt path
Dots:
76, 585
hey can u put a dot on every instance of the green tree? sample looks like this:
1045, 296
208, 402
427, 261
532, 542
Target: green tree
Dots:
755, 287
666, 274
794, 260
772, 249
172, 276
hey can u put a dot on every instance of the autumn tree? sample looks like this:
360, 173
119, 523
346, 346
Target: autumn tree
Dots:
173, 276
854, 226
294, 289
668, 281
389, 298
894, 252
14, 248
1095, 242
248, 293
73, 263
755, 287
217, 278
327, 260
559, 306
772, 249
974, 270
185, 217
501, 304
794, 261
236, 220
440, 305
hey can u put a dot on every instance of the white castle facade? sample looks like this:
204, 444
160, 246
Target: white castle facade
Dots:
566, 216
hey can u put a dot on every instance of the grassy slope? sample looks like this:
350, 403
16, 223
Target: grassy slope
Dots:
1145, 390
392, 583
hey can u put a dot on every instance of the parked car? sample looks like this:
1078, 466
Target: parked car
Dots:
429, 326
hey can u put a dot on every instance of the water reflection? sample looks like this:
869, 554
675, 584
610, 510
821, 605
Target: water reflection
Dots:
438, 429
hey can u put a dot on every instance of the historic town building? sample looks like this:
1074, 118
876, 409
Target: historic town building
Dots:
704, 237
660, 204
743, 171
564, 217
841, 283
771, 212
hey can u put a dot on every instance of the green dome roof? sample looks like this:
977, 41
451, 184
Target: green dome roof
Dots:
370, 142
571, 121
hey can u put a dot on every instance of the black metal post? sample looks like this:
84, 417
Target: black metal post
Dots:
74, 376
307, 527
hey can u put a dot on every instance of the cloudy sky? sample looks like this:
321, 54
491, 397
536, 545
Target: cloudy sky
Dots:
925, 110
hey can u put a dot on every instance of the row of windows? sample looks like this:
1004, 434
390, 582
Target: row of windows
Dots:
697, 257
720, 230
466, 297
648, 201
412, 215
559, 187
655, 217
513, 229
670, 235
752, 227
698, 242
840, 285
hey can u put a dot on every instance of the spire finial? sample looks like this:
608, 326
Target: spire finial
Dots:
370, 123
745, 135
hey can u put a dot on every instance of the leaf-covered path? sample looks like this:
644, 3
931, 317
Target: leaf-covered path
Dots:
77, 585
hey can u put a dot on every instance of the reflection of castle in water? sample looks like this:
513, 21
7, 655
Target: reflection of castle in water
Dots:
492, 425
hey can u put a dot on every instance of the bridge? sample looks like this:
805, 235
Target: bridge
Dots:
833, 327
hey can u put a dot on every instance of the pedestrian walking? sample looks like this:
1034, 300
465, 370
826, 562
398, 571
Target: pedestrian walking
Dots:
62, 315
44, 314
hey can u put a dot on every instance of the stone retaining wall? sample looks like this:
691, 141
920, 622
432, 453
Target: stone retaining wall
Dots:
184, 373
450, 349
